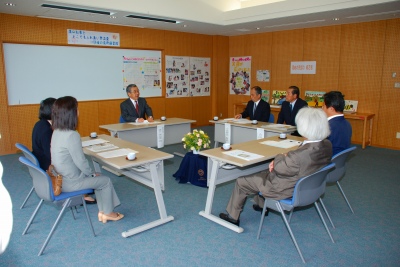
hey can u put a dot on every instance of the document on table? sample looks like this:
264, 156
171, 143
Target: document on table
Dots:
240, 154
93, 142
101, 147
242, 121
117, 153
282, 127
144, 123
288, 143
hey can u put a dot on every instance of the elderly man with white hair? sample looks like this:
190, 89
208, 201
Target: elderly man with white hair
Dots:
286, 169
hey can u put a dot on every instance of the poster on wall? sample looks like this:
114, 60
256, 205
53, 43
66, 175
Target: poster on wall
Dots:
314, 98
176, 76
240, 69
265, 95
81, 37
199, 76
143, 71
262, 75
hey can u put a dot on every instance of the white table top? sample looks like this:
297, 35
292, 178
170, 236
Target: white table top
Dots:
267, 126
144, 155
127, 126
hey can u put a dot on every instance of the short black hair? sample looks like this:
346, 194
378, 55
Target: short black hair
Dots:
295, 91
334, 99
65, 113
258, 90
45, 108
128, 88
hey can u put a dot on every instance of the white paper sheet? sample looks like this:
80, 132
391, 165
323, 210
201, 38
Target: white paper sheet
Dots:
101, 147
260, 133
117, 153
93, 142
282, 127
227, 133
240, 154
160, 136
282, 144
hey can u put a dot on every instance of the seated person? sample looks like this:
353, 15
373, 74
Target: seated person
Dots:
286, 169
291, 106
135, 108
341, 131
256, 109
41, 134
69, 161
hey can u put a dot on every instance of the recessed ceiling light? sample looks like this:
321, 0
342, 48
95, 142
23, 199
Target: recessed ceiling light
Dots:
113, 17
9, 4
257, 28
335, 19
184, 26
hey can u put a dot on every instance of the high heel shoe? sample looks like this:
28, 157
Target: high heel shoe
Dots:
106, 218
100, 215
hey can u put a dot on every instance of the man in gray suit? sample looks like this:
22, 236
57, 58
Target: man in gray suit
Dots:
135, 108
286, 169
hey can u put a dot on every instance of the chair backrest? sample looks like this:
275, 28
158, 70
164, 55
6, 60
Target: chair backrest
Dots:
41, 180
308, 189
271, 118
340, 165
121, 119
28, 154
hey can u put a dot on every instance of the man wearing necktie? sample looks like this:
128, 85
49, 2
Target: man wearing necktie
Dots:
135, 108
256, 109
291, 106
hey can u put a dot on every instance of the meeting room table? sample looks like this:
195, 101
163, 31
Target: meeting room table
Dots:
147, 168
240, 160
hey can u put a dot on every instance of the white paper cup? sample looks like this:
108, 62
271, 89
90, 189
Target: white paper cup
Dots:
93, 134
282, 135
216, 118
163, 118
131, 156
226, 146
254, 121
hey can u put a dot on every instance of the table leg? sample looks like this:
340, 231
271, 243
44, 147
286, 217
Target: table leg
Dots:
210, 196
364, 132
160, 203
370, 131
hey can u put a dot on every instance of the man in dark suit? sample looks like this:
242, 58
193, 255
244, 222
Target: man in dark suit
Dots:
256, 109
340, 128
286, 169
135, 108
291, 106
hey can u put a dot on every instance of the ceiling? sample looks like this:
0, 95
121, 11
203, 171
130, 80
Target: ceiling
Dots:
213, 17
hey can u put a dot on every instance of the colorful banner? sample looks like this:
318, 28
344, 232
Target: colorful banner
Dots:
240, 69
79, 37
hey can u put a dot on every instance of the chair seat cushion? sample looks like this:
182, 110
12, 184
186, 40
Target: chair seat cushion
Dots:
65, 195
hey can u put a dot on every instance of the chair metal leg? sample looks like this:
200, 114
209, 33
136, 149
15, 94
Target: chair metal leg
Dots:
344, 195
290, 231
326, 212
323, 221
27, 197
65, 205
87, 216
262, 220
290, 215
32, 217
72, 211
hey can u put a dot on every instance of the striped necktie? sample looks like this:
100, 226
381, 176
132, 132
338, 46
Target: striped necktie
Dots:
291, 107
254, 108
137, 107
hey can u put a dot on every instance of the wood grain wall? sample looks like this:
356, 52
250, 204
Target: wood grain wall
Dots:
357, 59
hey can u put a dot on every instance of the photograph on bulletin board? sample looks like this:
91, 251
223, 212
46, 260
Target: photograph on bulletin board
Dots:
177, 76
240, 70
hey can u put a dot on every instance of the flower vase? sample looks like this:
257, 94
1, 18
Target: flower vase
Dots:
195, 152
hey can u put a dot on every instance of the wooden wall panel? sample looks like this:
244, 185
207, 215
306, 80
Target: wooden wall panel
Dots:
220, 76
287, 46
125, 33
88, 120
201, 109
323, 46
148, 38
179, 108
389, 122
5, 142
361, 62
23, 119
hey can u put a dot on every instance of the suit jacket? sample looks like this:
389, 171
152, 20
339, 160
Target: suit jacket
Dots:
287, 116
307, 159
128, 111
261, 113
41, 138
340, 134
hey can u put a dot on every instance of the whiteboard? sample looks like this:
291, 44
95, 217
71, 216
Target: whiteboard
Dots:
35, 72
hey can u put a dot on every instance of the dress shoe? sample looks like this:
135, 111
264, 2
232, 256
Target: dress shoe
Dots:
258, 208
100, 215
90, 201
106, 218
226, 217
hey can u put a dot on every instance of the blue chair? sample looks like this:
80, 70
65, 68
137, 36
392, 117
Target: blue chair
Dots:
121, 120
28, 154
306, 192
271, 118
43, 187
335, 175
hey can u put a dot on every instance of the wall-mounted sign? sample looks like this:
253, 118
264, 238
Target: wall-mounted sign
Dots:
303, 67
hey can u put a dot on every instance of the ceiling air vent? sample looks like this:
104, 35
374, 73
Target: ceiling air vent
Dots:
78, 9
153, 19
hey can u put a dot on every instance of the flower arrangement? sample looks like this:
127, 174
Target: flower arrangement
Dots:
196, 140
